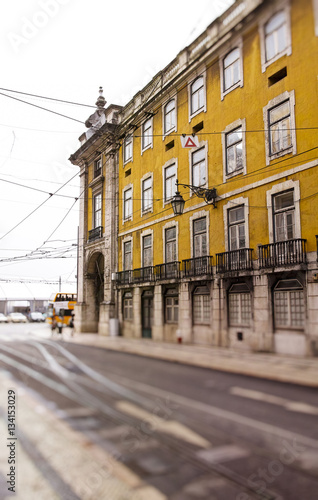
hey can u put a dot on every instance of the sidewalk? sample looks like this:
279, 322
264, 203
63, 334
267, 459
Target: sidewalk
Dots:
269, 366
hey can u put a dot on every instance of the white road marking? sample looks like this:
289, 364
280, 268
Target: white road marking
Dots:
90, 471
222, 414
297, 406
168, 426
225, 453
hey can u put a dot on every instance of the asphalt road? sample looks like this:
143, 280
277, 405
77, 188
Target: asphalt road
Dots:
186, 433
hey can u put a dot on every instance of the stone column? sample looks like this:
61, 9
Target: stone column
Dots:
137, 312
219, 320
108, 309
185, 313
157, 327
262, 330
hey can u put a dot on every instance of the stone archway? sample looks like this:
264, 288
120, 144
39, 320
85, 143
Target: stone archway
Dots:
95, 286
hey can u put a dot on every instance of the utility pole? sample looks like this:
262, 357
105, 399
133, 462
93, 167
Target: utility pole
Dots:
60, 282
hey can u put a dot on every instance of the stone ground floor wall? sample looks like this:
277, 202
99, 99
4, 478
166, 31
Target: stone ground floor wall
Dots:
260, 334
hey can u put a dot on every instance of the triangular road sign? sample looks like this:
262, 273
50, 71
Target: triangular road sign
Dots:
189, 141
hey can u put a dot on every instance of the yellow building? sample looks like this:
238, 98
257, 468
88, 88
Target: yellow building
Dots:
234, 118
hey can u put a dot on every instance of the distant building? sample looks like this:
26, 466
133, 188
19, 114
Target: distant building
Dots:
239, 268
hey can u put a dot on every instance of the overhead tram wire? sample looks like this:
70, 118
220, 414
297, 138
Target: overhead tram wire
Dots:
48, 98
36, 189
38, 207
41, 107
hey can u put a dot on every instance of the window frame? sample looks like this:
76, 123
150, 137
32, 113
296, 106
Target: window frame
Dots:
164, 115
292, 323
275, 9
239, 294
200, 235
228, 130
127, 216
170, 163
127, 264
199, 215
149, 144
172, 295
143, 237
148, 208
172, 242
127, 304
277, 189
192, 113
237, 224
97, 213
98, 167
272, 104
235, 45
192, 152
129, 137
284, 212
198, 296
235, 204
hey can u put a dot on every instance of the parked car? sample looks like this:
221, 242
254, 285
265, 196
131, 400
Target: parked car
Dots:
3, 318
17, 317
35, 316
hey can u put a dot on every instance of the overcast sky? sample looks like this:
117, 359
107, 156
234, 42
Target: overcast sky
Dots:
66, 49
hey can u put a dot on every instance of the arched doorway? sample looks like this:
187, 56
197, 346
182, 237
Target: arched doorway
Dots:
95, 285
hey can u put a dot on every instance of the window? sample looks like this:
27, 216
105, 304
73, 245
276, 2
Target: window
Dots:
146, 139
231, 69
279, 124
97, 210
97, 168
170, 245
201, 305
197, 102
128, 148
240, 310
127, 306
170, 181
147, 251
147, 194
169, 116
289, 306
275, 35
284, 213
279, 128
171, 306
199, 237
236, 228
198, 167
127, 257
284, 216
128, 204
234, 151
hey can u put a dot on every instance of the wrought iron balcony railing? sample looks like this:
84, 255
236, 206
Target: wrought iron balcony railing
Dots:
283, 253
95, 234
197, 266
143, 274
124, 277
167, 271
235, 260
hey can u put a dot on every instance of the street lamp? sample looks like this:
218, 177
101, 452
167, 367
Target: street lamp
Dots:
177, 202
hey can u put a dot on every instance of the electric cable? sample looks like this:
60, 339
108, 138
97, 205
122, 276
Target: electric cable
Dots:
41, 107
38, 207
48, 98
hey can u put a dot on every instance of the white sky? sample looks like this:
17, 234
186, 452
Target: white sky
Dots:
66, 49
